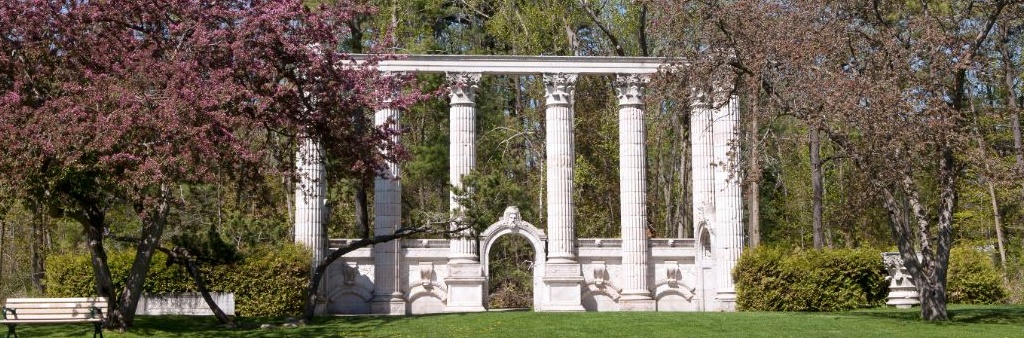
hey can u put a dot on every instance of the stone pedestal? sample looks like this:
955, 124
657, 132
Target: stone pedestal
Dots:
640, 302
563, 286
726, 300
466, 284
903, 293
388, 305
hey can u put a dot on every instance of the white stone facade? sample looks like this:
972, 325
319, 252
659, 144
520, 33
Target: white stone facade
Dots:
632, 273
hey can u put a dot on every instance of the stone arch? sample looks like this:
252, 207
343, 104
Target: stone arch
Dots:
512, 222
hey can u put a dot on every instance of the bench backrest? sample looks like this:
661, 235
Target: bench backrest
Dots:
56, 308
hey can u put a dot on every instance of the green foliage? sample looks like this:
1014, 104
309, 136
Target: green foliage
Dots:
267, 282
973, 278
486, 195
775, 279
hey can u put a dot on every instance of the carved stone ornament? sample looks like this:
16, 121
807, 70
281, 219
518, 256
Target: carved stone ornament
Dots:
559, 88
672, 273
349, 274
511, 217
630, 88
426, 273
600, 273
462, 87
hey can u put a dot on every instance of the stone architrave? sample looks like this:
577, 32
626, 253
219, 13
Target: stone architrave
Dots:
727, 239
903, 293
633, 193
465, 279
564, 276
387, 211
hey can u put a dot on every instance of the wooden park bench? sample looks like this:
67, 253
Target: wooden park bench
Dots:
54, 311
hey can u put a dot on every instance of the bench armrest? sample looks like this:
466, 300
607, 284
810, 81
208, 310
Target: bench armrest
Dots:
95, 313
6, 310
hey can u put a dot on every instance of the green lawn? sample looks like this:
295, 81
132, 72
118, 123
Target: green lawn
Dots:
968, 321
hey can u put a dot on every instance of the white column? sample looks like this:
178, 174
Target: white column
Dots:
465, 280
559, 90
701, 145
310, 198
563, 277
387, 211
633, 193
462, 155
728, 238
311, 207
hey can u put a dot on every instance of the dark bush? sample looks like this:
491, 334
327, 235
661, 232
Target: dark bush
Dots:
772, 279
266, 282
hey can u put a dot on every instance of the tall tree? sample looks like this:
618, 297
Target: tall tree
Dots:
111, 103
888, 81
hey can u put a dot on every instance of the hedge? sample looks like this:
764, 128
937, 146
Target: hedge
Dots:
774, 279
267, 282
973, 278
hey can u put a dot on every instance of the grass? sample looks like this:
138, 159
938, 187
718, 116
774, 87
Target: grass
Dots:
968, 321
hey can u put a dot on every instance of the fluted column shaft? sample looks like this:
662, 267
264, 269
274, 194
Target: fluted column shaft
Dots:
462, 155
559, 90
310, 198
387, 211
633, 185
702, 143
728, 238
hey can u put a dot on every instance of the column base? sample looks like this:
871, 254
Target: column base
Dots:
726, 300
388, 305
465, 288
563, 291
637, 302
903, 299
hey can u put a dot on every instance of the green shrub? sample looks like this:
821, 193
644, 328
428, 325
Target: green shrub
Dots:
973, 278
773, 279
267, 282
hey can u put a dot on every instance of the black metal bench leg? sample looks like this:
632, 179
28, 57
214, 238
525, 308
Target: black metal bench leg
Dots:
98, 330
10, 331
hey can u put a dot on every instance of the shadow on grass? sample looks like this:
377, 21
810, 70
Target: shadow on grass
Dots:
959, 314
337, 326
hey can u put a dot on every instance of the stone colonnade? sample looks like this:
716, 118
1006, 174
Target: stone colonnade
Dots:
717, 205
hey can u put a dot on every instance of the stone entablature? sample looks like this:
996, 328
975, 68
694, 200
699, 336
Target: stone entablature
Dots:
570, 274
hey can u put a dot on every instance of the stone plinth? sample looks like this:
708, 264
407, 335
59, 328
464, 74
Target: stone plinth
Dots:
563, 283
903, 293
465, 288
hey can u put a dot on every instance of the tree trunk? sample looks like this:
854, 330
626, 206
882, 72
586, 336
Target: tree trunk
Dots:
362, 217
754, 185
815, 150
93, 221
3, 235
36, 247
152, 230
1012, 102
184, 258
999, 225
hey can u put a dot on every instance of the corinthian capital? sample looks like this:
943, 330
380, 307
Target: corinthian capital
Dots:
559, 88
463, 87
630, 88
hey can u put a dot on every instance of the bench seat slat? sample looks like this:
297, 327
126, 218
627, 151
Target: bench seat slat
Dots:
49, 316
48, 321
58, 300
57, 308
64, 311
